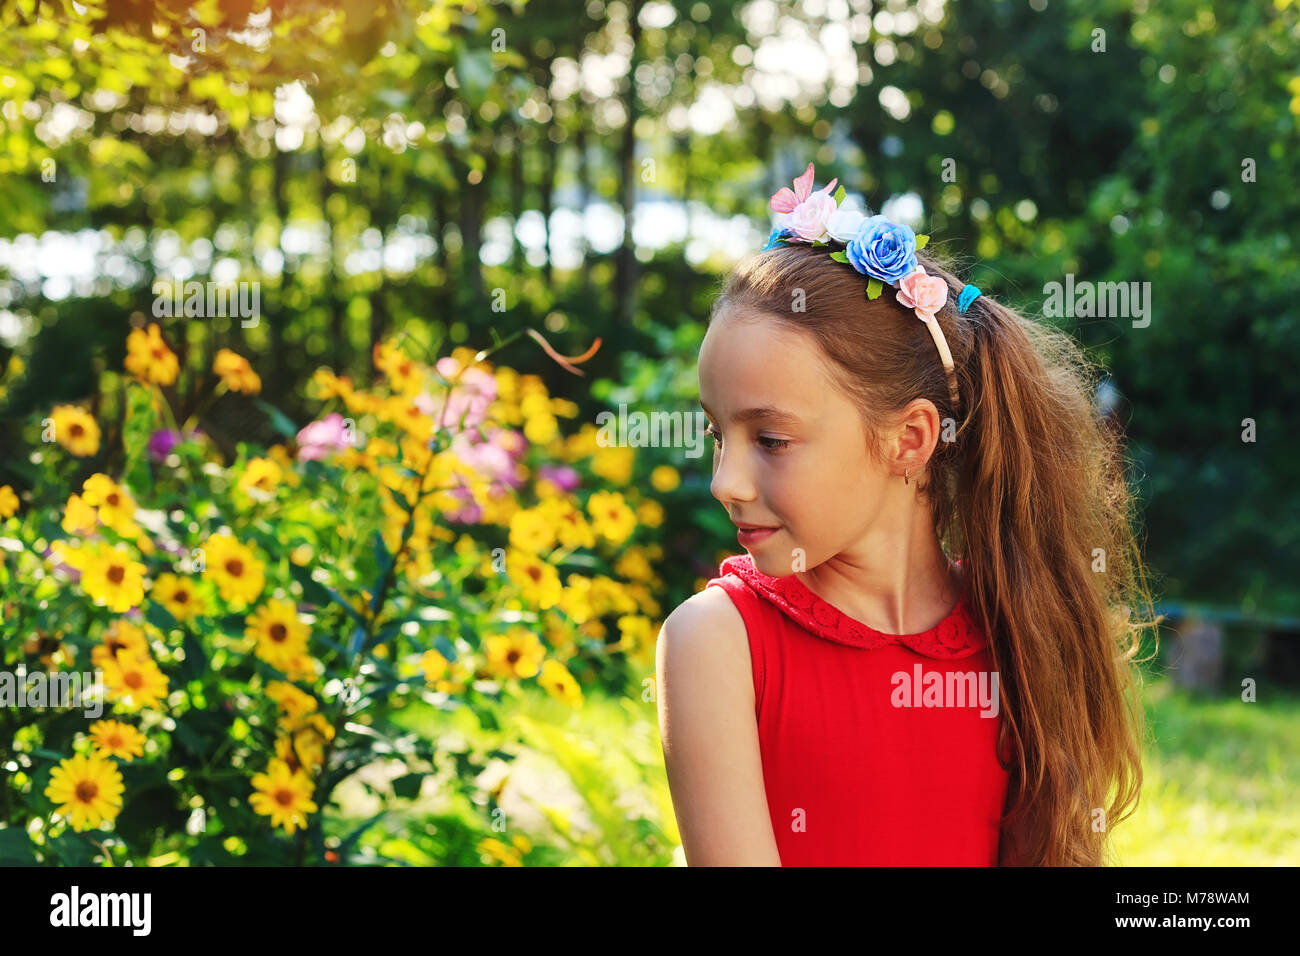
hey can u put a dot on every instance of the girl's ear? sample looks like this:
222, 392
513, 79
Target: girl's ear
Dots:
913, 439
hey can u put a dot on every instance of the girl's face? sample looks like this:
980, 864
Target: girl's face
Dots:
790, 449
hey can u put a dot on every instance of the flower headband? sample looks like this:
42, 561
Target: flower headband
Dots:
882, 250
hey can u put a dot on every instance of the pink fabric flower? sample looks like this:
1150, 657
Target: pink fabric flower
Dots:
783, 200
323, 438
924, 293
810, 217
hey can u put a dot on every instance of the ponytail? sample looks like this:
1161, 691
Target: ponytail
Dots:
1043, 511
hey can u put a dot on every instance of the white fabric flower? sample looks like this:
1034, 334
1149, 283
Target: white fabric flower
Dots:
844, 222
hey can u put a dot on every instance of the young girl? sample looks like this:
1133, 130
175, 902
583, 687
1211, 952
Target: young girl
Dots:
926, 654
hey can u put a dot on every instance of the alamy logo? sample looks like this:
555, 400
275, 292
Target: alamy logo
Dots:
656, 430
208, 300
56, 689
1115, 300
103, 909
946, 689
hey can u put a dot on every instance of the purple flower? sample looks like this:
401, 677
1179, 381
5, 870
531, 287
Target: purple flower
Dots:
562, 476
161, 443
883, 250
321, 439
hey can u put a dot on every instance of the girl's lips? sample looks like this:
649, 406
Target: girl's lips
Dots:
749, 537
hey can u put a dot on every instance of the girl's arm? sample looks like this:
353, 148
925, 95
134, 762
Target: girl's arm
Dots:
710, 735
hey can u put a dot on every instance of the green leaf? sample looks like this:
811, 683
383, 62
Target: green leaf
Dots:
279, 420
16, 848
357, 642
874, 288
136, 431
408, 786
921, 241
196, 659
840, 194
840, 256
160, 617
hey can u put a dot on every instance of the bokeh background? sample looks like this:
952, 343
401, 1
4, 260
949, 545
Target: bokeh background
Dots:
435, 642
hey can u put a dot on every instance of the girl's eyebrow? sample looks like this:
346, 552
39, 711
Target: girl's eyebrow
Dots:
764, 413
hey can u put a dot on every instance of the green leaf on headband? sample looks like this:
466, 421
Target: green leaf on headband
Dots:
840, 256
874, 288
818, 244
921, 241
839, 195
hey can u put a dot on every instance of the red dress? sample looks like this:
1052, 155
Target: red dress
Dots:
857, 768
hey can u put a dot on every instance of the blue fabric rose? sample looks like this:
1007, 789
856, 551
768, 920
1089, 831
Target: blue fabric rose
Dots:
777, 233
883, 250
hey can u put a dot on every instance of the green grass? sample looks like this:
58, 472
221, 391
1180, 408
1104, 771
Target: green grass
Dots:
1221, 778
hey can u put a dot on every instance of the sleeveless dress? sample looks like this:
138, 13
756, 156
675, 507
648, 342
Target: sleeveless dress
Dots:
868, 759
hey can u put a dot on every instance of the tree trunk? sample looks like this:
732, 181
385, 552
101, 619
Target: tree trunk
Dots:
625, 275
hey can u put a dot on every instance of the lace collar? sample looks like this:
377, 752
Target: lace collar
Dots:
955, 636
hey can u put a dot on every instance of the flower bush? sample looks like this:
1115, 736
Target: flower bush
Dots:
431, 550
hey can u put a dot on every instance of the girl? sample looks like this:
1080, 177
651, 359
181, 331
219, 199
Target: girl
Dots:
926, 655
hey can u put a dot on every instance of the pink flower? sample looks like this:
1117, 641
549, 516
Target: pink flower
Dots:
322, 438
783, 200
810, 217
476, 390
924, 293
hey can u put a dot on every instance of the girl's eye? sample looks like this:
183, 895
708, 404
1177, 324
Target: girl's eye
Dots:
776, 444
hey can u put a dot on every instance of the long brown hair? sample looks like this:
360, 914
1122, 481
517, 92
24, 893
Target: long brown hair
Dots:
1031, 494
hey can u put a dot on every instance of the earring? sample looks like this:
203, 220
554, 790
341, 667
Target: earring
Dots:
906, 474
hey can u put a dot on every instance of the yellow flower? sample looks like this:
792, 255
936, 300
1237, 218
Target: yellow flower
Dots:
75, 430
116, 739
634, 631
504, 853
279, 633
405, 376
280, 455
122, 636
665, 478
533, 530
304, 743
114, 503
290, 699
408, 416
576, 599
178, 596
611, 516
262, 474
434, 666
88, 791
8, 501
79, 518
284, 795
300, 667
328, 385
148, 357
650, 513
236, 372
610, 595
235, 569
134, 683
111, 578
634, 566
559, 683
537, 580
517, 653
614, 463
573, 529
